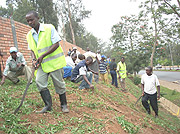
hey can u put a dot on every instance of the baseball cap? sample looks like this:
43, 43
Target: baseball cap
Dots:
74, 48
103, 56
13, 49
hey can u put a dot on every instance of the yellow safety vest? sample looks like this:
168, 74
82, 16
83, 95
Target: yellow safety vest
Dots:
121, 67
53, 61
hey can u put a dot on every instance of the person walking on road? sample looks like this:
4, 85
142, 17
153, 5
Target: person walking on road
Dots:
122, 73
47, 54
113, 67
15, 66
149, 82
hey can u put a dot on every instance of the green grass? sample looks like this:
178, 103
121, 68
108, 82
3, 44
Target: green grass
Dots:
76, 122
171, 95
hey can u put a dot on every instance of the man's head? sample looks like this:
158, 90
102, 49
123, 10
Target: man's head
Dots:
89, 60
74, 49
122, 59
98, 51
32, 19
88, 49
113, 59
103, 57
13, 52
148, 70
81, 56
74, 57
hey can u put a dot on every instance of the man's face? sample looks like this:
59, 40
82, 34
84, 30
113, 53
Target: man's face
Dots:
122, 60
14, 55
148, 72
88, 62
74, 58
32, 20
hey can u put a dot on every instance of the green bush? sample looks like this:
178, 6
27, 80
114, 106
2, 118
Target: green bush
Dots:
137, 80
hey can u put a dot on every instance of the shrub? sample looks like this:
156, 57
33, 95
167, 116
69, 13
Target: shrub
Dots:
137, 80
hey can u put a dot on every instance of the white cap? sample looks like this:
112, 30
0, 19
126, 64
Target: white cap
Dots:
74, 48
13, 49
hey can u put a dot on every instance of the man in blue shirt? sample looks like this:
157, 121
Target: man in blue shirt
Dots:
81, 73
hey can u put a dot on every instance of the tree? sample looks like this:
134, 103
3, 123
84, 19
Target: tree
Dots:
19, 8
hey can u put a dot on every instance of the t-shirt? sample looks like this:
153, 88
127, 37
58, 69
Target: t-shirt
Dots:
102, 67
150, 83
112, 66
91, 54
80, 69
70, 62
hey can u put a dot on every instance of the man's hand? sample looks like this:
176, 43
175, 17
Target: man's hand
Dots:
143, 93
91, 86
2, 82
119, 77
158, 97
96, 73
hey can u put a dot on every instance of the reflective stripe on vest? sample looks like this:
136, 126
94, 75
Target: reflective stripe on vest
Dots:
43, 49
53, 57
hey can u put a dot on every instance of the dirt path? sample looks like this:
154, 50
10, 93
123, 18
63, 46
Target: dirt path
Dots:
170, 85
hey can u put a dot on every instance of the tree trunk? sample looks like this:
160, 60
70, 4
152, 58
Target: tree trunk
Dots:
70, 22
155, 38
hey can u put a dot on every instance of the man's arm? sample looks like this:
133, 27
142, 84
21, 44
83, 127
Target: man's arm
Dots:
51, 49
92, 71
158, 87
142, 87
3, 80
85, 78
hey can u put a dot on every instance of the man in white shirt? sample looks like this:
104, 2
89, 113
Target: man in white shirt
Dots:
149, 82
70, 65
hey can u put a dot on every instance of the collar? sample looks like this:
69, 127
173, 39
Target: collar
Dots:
16, 57
41, 28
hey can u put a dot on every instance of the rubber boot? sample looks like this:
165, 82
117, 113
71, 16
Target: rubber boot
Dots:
63, 102
46, 96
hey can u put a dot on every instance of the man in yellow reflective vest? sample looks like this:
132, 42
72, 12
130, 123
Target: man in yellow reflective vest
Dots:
121, 70
48, 58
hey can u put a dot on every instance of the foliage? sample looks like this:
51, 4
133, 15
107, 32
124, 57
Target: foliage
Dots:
127, 126
137, 80
19, 8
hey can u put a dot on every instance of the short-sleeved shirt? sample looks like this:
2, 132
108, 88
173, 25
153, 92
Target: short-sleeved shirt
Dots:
80, 69
102, 67
54, 34
11, 64
150, 83
70, 62
112, 66
91, 54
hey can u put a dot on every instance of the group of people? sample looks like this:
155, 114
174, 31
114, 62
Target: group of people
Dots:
49, 60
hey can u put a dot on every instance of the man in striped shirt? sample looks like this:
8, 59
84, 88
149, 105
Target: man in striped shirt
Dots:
103, 69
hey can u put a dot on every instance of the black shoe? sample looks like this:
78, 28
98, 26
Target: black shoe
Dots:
17, 81
47, 100
148, 111
63, 102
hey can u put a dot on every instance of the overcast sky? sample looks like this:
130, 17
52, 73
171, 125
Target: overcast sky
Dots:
106, 13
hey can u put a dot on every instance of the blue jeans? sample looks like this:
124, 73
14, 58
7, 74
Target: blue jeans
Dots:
84, 84
114, 78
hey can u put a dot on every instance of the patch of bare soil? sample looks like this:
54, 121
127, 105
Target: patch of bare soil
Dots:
101, 113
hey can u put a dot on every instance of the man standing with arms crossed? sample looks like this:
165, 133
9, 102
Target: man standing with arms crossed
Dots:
149, 82
43, 40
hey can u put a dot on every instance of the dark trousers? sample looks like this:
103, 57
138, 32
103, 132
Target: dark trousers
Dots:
114, 78
153, 101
